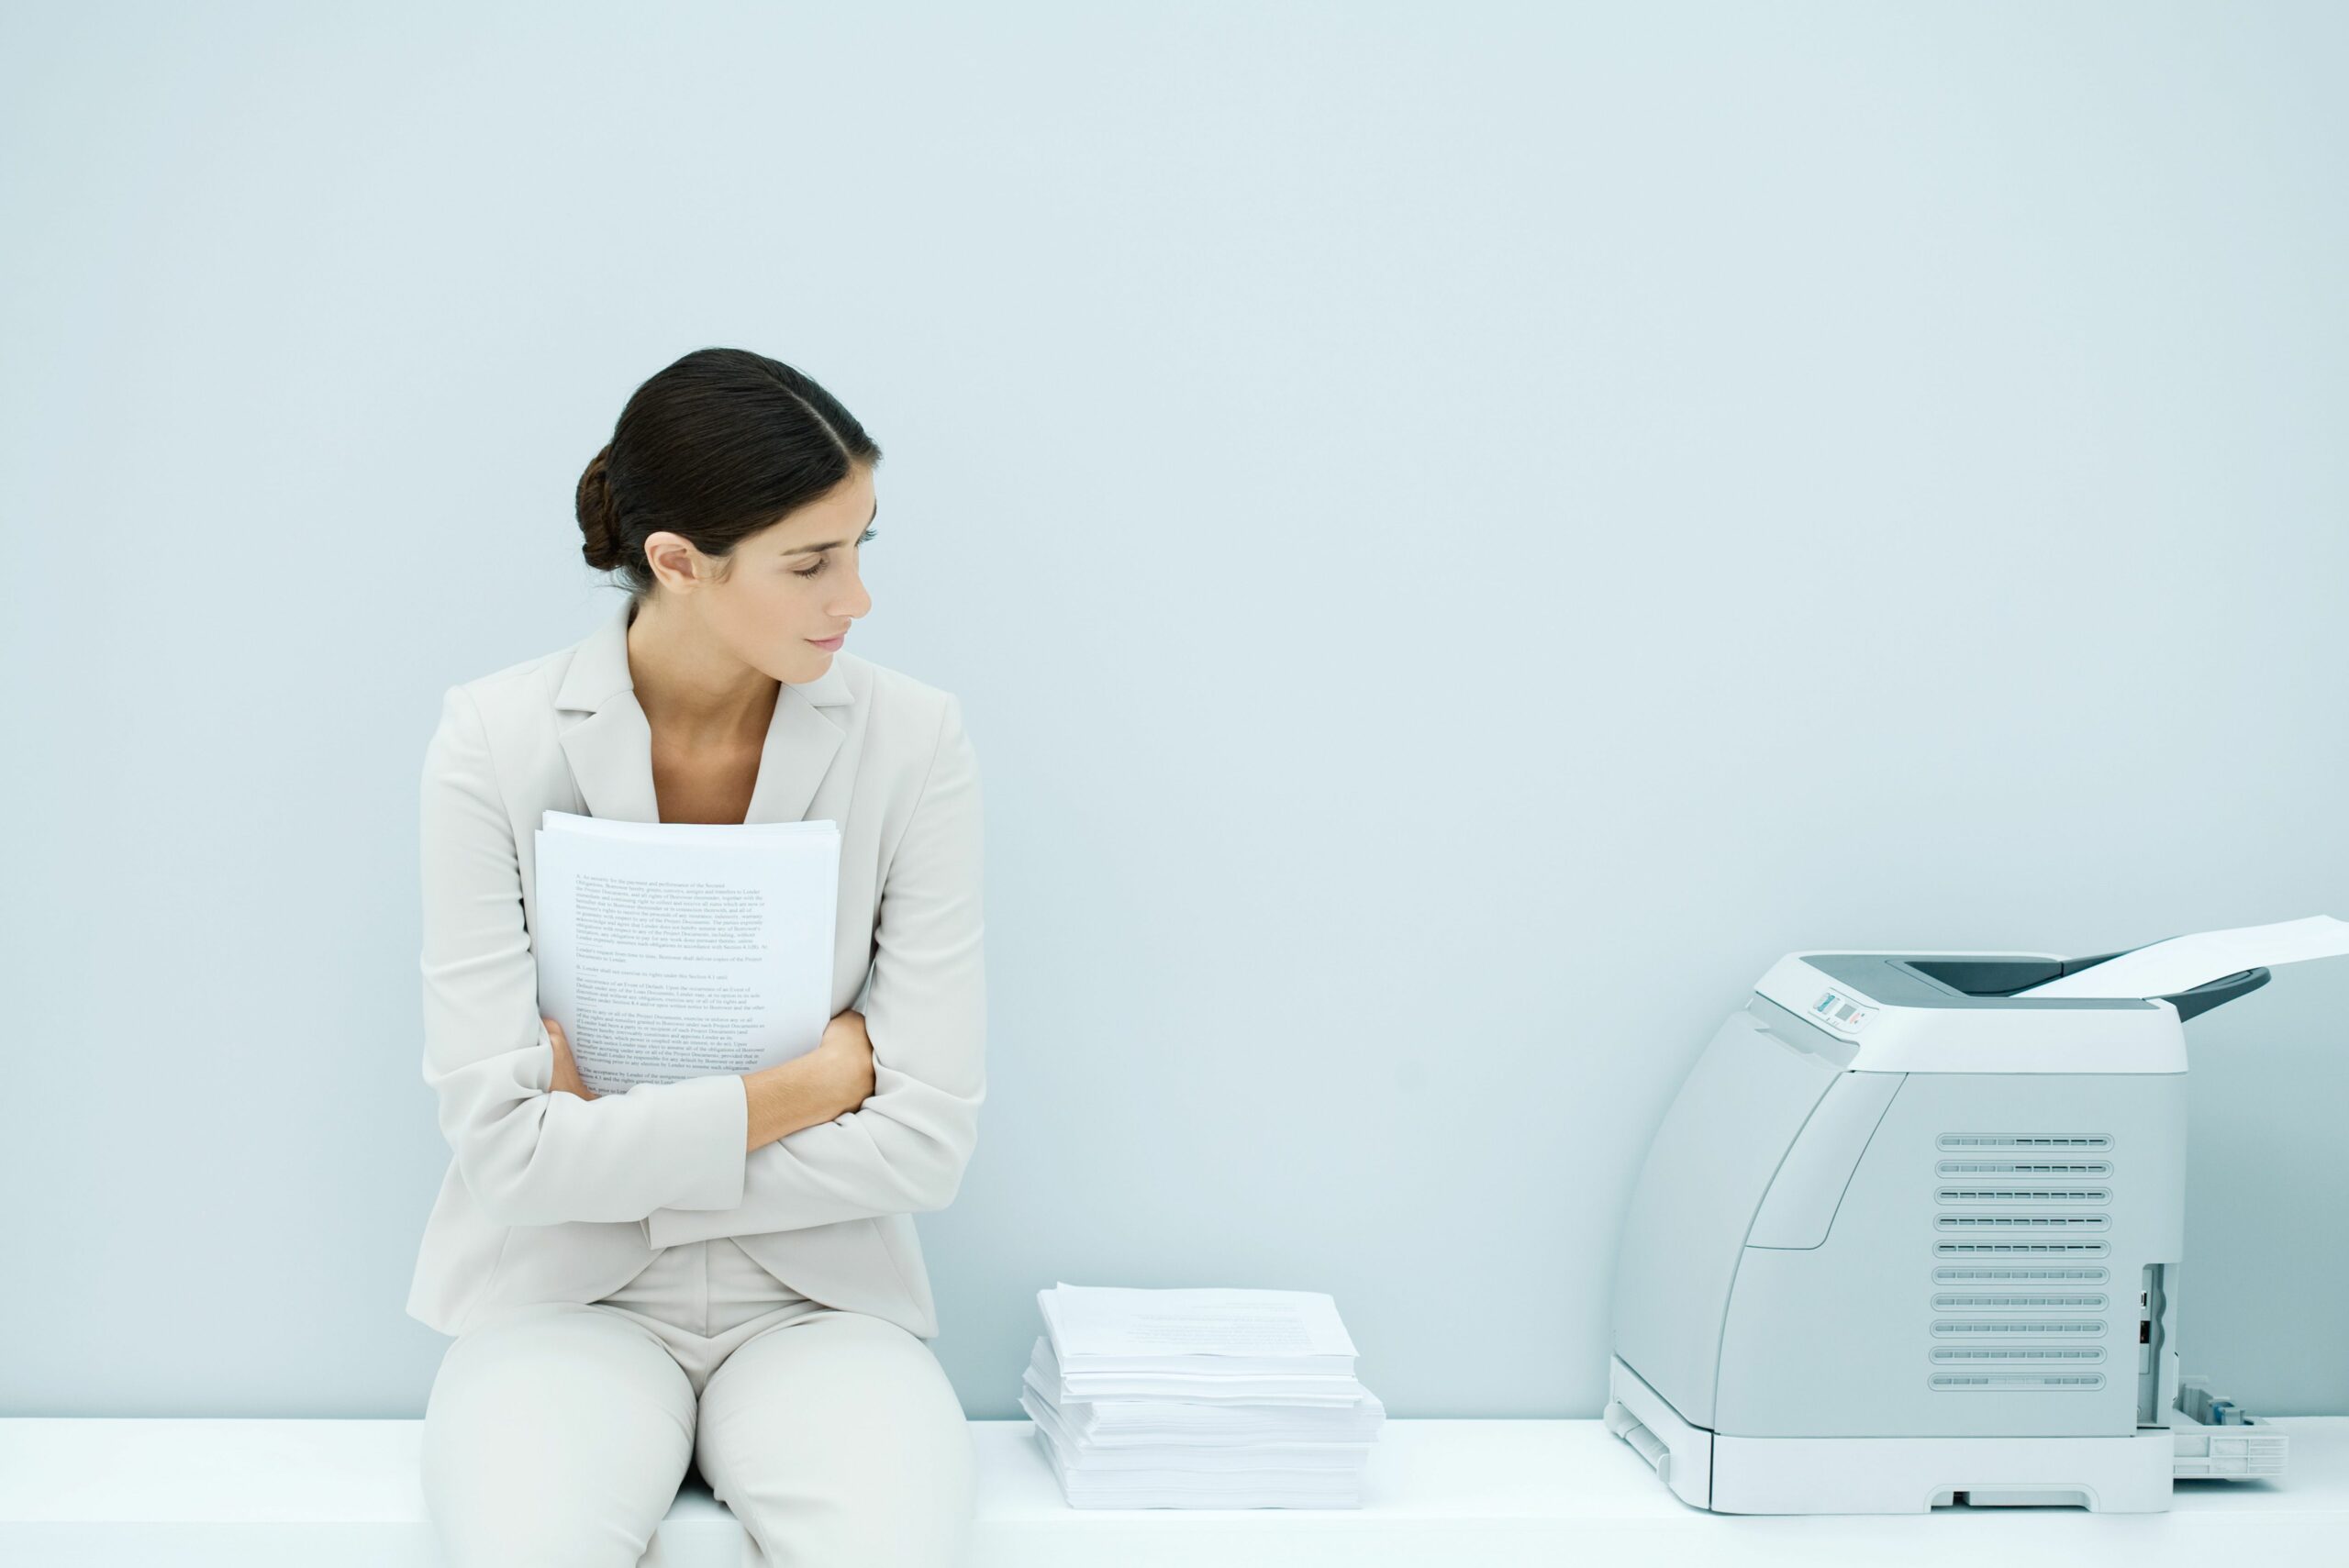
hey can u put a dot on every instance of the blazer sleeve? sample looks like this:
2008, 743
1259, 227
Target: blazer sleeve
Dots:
905, 1150
532, 1156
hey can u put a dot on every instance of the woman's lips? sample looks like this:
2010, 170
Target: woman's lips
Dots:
831, 644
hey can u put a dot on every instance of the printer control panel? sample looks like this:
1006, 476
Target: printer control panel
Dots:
1841, 1014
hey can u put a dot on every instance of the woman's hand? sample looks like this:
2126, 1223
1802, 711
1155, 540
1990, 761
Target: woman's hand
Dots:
566, 1071
846, 1051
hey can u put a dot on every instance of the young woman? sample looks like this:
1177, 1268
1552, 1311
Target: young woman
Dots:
719, 1274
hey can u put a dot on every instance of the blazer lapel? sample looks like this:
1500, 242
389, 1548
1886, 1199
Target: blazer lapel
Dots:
611, 750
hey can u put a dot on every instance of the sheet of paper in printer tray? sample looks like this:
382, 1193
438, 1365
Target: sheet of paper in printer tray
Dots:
2180, 963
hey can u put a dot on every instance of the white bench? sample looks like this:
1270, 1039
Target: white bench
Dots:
92, 1493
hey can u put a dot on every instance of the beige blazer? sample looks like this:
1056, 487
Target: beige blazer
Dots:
551, 1197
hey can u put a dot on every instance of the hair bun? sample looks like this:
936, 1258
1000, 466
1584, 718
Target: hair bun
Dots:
599, 516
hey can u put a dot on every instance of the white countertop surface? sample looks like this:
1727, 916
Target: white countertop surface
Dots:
251, 1491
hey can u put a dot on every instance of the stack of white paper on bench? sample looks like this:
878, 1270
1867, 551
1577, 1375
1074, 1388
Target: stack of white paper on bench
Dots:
1199, 1399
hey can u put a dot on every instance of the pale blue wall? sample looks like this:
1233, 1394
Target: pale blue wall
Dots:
1463, 533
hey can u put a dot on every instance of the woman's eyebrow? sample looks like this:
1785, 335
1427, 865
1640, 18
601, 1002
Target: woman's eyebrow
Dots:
819, 549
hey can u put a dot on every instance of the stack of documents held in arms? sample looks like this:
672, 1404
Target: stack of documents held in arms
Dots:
1199, 1399
676, 950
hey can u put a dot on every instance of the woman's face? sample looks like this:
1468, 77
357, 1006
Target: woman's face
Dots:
796, 583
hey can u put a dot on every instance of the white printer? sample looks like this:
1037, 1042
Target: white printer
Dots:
1907, 1238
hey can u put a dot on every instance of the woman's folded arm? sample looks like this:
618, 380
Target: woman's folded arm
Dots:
905, 1150
532, 1156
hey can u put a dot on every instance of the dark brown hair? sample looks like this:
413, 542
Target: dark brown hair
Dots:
718, 446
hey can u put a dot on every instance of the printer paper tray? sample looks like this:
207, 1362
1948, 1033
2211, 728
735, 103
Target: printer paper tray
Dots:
1681, 1455
2208, 1450
1735, 1475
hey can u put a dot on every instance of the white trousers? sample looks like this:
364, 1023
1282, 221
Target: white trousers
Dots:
557, 1434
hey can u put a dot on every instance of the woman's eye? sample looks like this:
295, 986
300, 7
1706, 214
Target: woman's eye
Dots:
865, 538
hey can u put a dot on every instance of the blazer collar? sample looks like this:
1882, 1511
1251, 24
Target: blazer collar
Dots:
610, 751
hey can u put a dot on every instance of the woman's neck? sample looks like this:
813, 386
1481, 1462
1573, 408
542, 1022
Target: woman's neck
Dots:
693, 690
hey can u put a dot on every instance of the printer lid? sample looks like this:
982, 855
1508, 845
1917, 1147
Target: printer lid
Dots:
1956, 1012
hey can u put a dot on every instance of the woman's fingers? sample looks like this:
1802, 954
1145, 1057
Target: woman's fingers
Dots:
566, 1071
